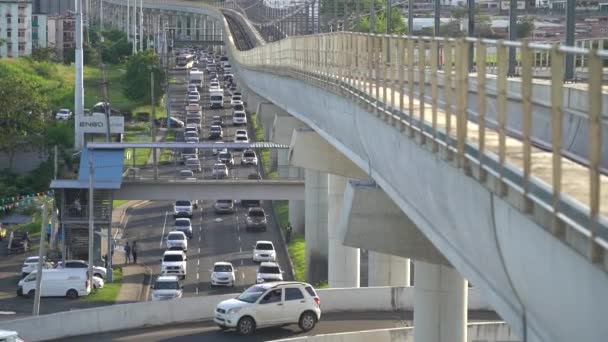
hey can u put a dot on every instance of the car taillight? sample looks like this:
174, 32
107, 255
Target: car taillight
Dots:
318, 300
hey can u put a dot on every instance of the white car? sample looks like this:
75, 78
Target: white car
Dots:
239, 139
183, 208
191, 139
194, 94
270, 304
194, 164
166, 287
268, 272
249, 158
236, 99
236, 102
241, 132
10, 336
264, 251
183, 225
177, 240
31, 264
98, 283
239, 118
174, 263
220, 170
98, 271
63, 114
222, 274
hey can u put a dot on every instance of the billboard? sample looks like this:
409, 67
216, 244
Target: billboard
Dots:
97, 124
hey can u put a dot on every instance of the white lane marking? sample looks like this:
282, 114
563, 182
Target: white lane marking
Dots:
197, 290
199, 249
162, 235
218, 220
240, 249
243, 275
200, 228
196, 275
198, 262
239, 237
242, 262
199, 238
8, 313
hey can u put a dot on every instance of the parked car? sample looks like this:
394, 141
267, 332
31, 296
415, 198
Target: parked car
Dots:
166, 287
71, 283
31, 264
98, 283
268, 272
264, 251
98, 271
219, 170
224, 206
174, 263
183, 208
256, 219
183, 225
222, 274
63, 114
249, 158
270, 304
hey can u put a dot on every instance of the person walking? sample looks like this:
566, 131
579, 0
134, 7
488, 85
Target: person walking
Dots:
127, 253
288, 230
134, 252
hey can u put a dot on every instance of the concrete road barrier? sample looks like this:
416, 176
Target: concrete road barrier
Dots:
136, 315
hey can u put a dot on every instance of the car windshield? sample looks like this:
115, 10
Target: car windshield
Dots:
249, 154
31, 260
239, 115
166, 285
224, 201
182, 203
220, 167
173, 257
215, 128
182, 223
189, 151
216, 98
192, 134
175, 237
269, 269
252, 294
239, 107
264, 247
222, 268
241, 138
256, 213
225, 155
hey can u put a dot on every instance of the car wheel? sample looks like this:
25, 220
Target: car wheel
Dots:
72, 294
308, 320
31, 294
246, 326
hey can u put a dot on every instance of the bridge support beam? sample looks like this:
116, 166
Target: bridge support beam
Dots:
343, 261
440, 304
315, 188
388, 270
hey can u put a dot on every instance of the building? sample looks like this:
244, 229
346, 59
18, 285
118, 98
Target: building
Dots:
61, 32
15, 28
39, 34
53, 7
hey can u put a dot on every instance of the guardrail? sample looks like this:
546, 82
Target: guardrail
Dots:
129, 316
378, 72
237, 172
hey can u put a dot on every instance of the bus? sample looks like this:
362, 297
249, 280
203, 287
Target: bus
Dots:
184, 61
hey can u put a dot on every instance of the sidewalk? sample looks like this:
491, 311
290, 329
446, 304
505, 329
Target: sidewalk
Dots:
135, 278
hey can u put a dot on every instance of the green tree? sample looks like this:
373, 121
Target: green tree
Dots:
22, 107
43, 54
525, 27
137, 77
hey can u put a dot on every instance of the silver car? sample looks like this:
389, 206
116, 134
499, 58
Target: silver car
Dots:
224, 206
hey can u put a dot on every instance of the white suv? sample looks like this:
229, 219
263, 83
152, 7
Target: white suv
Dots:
270, 304
174, 263
222, 274
264, 251
166, 287
268, 272
177, 240
31, 264
182, 209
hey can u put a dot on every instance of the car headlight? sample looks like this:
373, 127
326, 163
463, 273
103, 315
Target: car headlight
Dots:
233, 311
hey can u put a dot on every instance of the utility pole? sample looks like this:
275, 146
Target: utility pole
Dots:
410, 17
41, 254
512, 35
471, 32
104, 88
570, 30
101, 18
389, 17
437, 18
55, 164
128, 20
141, 25
78, 86
153, 128
372, 16
91, 216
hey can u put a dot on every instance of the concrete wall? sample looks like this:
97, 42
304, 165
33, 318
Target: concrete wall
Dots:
486, 332
128, 316
458, 215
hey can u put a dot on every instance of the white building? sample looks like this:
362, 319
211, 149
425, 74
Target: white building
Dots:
15, 28
39, 35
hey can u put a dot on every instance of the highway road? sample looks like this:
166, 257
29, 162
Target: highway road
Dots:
215, 237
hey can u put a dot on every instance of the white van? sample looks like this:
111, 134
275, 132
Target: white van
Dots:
65, 282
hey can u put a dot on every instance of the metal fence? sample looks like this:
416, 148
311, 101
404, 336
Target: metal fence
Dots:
422, 86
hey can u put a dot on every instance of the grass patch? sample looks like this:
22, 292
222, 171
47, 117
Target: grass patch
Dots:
281, 209
93, 92
141, 154
297, 253
108, 294
117, 203
159, 110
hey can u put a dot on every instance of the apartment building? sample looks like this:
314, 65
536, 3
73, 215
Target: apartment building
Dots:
15, 28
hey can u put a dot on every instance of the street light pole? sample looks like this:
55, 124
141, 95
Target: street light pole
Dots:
41, 254
91, 216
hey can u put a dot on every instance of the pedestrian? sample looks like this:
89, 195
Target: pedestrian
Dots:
134, 252
127, 253
288, 230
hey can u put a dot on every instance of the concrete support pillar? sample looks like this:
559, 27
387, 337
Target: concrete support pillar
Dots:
440, 304
297, 215
315, 188
388, 270
343, 262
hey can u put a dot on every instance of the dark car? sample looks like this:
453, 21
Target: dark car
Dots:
225, 158
256, 219
238, 107
217, 121
216, 132
250, 203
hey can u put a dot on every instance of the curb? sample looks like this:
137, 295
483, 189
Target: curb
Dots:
145, 294
284, 242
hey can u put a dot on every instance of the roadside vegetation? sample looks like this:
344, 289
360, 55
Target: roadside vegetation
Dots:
110, 291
